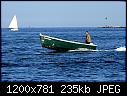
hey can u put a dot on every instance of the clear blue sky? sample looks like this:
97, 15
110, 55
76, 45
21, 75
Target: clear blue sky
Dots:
64, 13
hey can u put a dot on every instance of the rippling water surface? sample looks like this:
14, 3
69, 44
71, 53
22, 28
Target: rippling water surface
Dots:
23, 58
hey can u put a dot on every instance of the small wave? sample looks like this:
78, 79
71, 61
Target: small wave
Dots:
120, 49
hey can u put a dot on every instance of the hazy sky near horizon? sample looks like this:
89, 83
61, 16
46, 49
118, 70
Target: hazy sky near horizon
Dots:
64, 13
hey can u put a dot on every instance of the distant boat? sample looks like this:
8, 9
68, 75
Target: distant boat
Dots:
64, 45
13, 25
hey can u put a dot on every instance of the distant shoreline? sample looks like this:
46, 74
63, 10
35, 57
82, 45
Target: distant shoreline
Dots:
111, 27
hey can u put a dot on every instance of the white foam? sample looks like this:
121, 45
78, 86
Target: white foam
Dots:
121, 49
81, 49
103, 50
84, 49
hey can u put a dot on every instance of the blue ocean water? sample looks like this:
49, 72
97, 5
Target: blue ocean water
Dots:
23, 58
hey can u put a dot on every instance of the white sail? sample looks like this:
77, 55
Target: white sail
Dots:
13, 25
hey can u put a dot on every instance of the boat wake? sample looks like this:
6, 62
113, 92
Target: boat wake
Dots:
83, 49
80, 49
121, 49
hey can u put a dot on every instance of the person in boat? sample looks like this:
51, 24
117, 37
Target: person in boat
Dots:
88, 39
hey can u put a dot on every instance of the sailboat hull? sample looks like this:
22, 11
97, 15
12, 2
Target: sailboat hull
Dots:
14, 29
63, 45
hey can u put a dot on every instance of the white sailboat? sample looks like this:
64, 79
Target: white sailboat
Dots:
13, 25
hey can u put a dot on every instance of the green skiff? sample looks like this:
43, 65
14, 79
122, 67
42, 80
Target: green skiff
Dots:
63, 45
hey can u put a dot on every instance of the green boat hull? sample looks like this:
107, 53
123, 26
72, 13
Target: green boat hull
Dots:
63, 45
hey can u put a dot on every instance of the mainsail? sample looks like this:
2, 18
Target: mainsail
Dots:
13, 25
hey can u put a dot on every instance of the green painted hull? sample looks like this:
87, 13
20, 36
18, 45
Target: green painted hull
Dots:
63, 45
